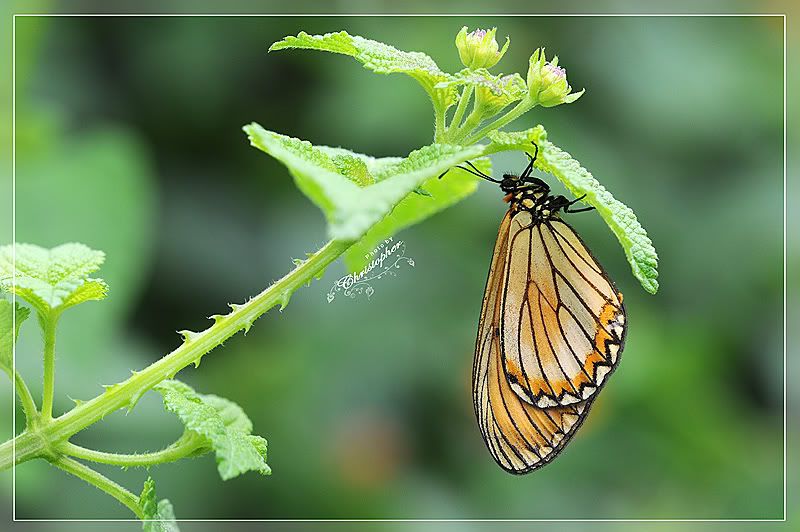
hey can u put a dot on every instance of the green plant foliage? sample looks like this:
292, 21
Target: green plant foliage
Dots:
378, 57
104, 172
511, 87
414, 208
222, 423
352, 210
620, 218
516, 140
9, 331
52, 279
330, 184
158, 515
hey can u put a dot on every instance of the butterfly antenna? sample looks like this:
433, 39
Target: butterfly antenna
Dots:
477, 172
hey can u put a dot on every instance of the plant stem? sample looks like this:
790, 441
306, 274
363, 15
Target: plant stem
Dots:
23, 447
521, 108
437, 136
470, 123
174, 452
101, 482
466, 95
190, 351
49, 365
25, 397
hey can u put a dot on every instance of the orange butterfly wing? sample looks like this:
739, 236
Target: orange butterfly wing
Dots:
562, 322
524, 322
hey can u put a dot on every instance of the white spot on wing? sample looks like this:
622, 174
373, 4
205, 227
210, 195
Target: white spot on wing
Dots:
613, 349
568, 399
519, 390
602, 371
545, 402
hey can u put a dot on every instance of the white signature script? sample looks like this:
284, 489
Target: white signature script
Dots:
389, 256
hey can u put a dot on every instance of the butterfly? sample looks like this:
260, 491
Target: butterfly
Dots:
551, 329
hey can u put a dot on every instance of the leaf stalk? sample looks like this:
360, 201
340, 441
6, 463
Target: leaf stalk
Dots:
49, 324
180, 449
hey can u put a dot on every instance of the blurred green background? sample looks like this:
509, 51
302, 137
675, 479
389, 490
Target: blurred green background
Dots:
129, 140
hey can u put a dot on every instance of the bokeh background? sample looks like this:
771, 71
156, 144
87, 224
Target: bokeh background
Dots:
129, 140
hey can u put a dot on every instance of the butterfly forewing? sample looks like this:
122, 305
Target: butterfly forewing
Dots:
561, 321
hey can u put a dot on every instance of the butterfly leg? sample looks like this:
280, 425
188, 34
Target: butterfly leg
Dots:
529, 168
573, 202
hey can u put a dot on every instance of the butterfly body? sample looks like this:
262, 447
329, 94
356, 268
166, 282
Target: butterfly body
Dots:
551, 329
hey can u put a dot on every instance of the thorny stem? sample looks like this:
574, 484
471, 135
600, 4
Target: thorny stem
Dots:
30, 444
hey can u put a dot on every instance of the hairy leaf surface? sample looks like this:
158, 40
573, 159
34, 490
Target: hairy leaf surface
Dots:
222, 423
385, 206
54, 278
380, 58
158, 515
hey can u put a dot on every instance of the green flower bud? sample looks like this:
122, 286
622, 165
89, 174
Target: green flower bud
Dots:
479, 49
547, 82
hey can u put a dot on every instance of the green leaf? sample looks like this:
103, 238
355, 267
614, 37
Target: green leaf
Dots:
222, 423
158, 516
512, 86
90, 290
353, 168
452, 188
374, 165
51, 279
351, 210
517, 140
9, 331
232, 414
620, 219
380, 58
